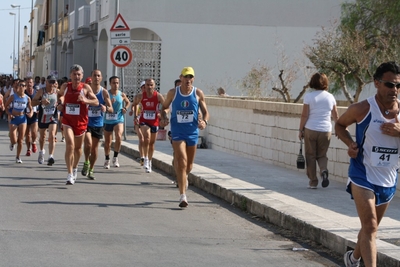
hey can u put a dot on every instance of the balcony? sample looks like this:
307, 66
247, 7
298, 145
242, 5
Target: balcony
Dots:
104, 7
72, 21
94, 18
84, 21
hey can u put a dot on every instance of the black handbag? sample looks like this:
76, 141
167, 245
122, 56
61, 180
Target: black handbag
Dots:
301, 163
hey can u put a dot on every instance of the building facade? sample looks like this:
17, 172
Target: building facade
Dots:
222, 40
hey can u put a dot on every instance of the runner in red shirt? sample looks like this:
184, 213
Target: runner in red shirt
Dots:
151, 102
74, 98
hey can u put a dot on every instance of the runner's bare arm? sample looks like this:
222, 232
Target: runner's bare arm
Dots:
126, 102
108, 108
37, 97
202, 105
30, 113
90, 98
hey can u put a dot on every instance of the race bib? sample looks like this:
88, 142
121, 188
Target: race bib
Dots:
111, 116
94, 112
384, 157
149, 115
185, 116
49, 111
72, 109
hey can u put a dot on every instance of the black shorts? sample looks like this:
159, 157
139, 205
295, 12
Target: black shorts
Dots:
46, 125
32, 119
96, 132
153, 129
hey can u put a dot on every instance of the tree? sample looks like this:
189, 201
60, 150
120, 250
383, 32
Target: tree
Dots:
255, 83
349, 52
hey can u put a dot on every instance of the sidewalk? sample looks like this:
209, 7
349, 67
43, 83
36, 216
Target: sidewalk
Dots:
280, 196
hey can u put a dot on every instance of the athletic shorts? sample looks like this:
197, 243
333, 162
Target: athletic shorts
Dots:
383, 195
45, 125
153, 129
32, 119
78, 131
110, 127
191, 140
18, 120
96, 132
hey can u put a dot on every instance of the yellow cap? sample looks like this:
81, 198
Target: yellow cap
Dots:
187, 71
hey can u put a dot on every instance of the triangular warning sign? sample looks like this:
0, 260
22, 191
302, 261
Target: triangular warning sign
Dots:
119, 24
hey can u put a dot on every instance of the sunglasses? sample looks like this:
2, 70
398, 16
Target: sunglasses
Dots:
22, 85
51, 81
390, 84
189, 76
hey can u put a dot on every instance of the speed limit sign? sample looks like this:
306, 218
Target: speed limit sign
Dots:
121, 56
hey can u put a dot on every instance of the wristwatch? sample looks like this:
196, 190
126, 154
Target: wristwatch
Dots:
206, 122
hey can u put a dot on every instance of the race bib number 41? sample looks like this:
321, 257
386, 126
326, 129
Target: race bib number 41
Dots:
384, 157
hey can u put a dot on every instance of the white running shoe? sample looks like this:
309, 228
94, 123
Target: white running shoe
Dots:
115, 162
75, 173
41, 157
183, 203
146, 163
107, 164
70, 179
148, 170
347, 259
18, 160
11, 147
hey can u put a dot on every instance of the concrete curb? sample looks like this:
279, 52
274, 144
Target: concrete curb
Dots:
278, 209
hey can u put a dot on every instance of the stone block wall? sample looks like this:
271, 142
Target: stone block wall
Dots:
266, 131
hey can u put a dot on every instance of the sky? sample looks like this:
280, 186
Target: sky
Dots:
7, 30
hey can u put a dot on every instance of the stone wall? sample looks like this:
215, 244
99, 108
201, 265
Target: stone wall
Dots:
266, 131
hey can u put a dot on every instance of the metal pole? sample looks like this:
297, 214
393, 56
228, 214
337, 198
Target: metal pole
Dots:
56, 39
13, 57
19, 35
30, 41
122, 90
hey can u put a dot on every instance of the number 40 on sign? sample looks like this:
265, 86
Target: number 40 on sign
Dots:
121, 56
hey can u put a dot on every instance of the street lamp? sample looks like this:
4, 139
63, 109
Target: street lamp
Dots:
13, 56
19, 13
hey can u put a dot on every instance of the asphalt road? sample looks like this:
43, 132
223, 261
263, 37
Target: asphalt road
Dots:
127, 217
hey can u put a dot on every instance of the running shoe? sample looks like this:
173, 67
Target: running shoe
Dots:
115, 162
34, 148
11, 147
70, 179
325, 181
63, 139
75, 173
85, 169
50, 161
41, 157
28, 153
107, 164
183, 203
347, 260
91, 175
18, 160
146, 163
141, 161
148, 170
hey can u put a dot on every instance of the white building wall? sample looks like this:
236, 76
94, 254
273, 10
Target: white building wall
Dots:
223, 39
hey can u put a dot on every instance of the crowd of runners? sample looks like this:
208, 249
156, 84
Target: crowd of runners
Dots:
37, 108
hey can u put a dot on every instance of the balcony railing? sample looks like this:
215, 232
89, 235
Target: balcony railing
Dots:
65, 24
72, 21
83, 17
104, 6
93, 12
